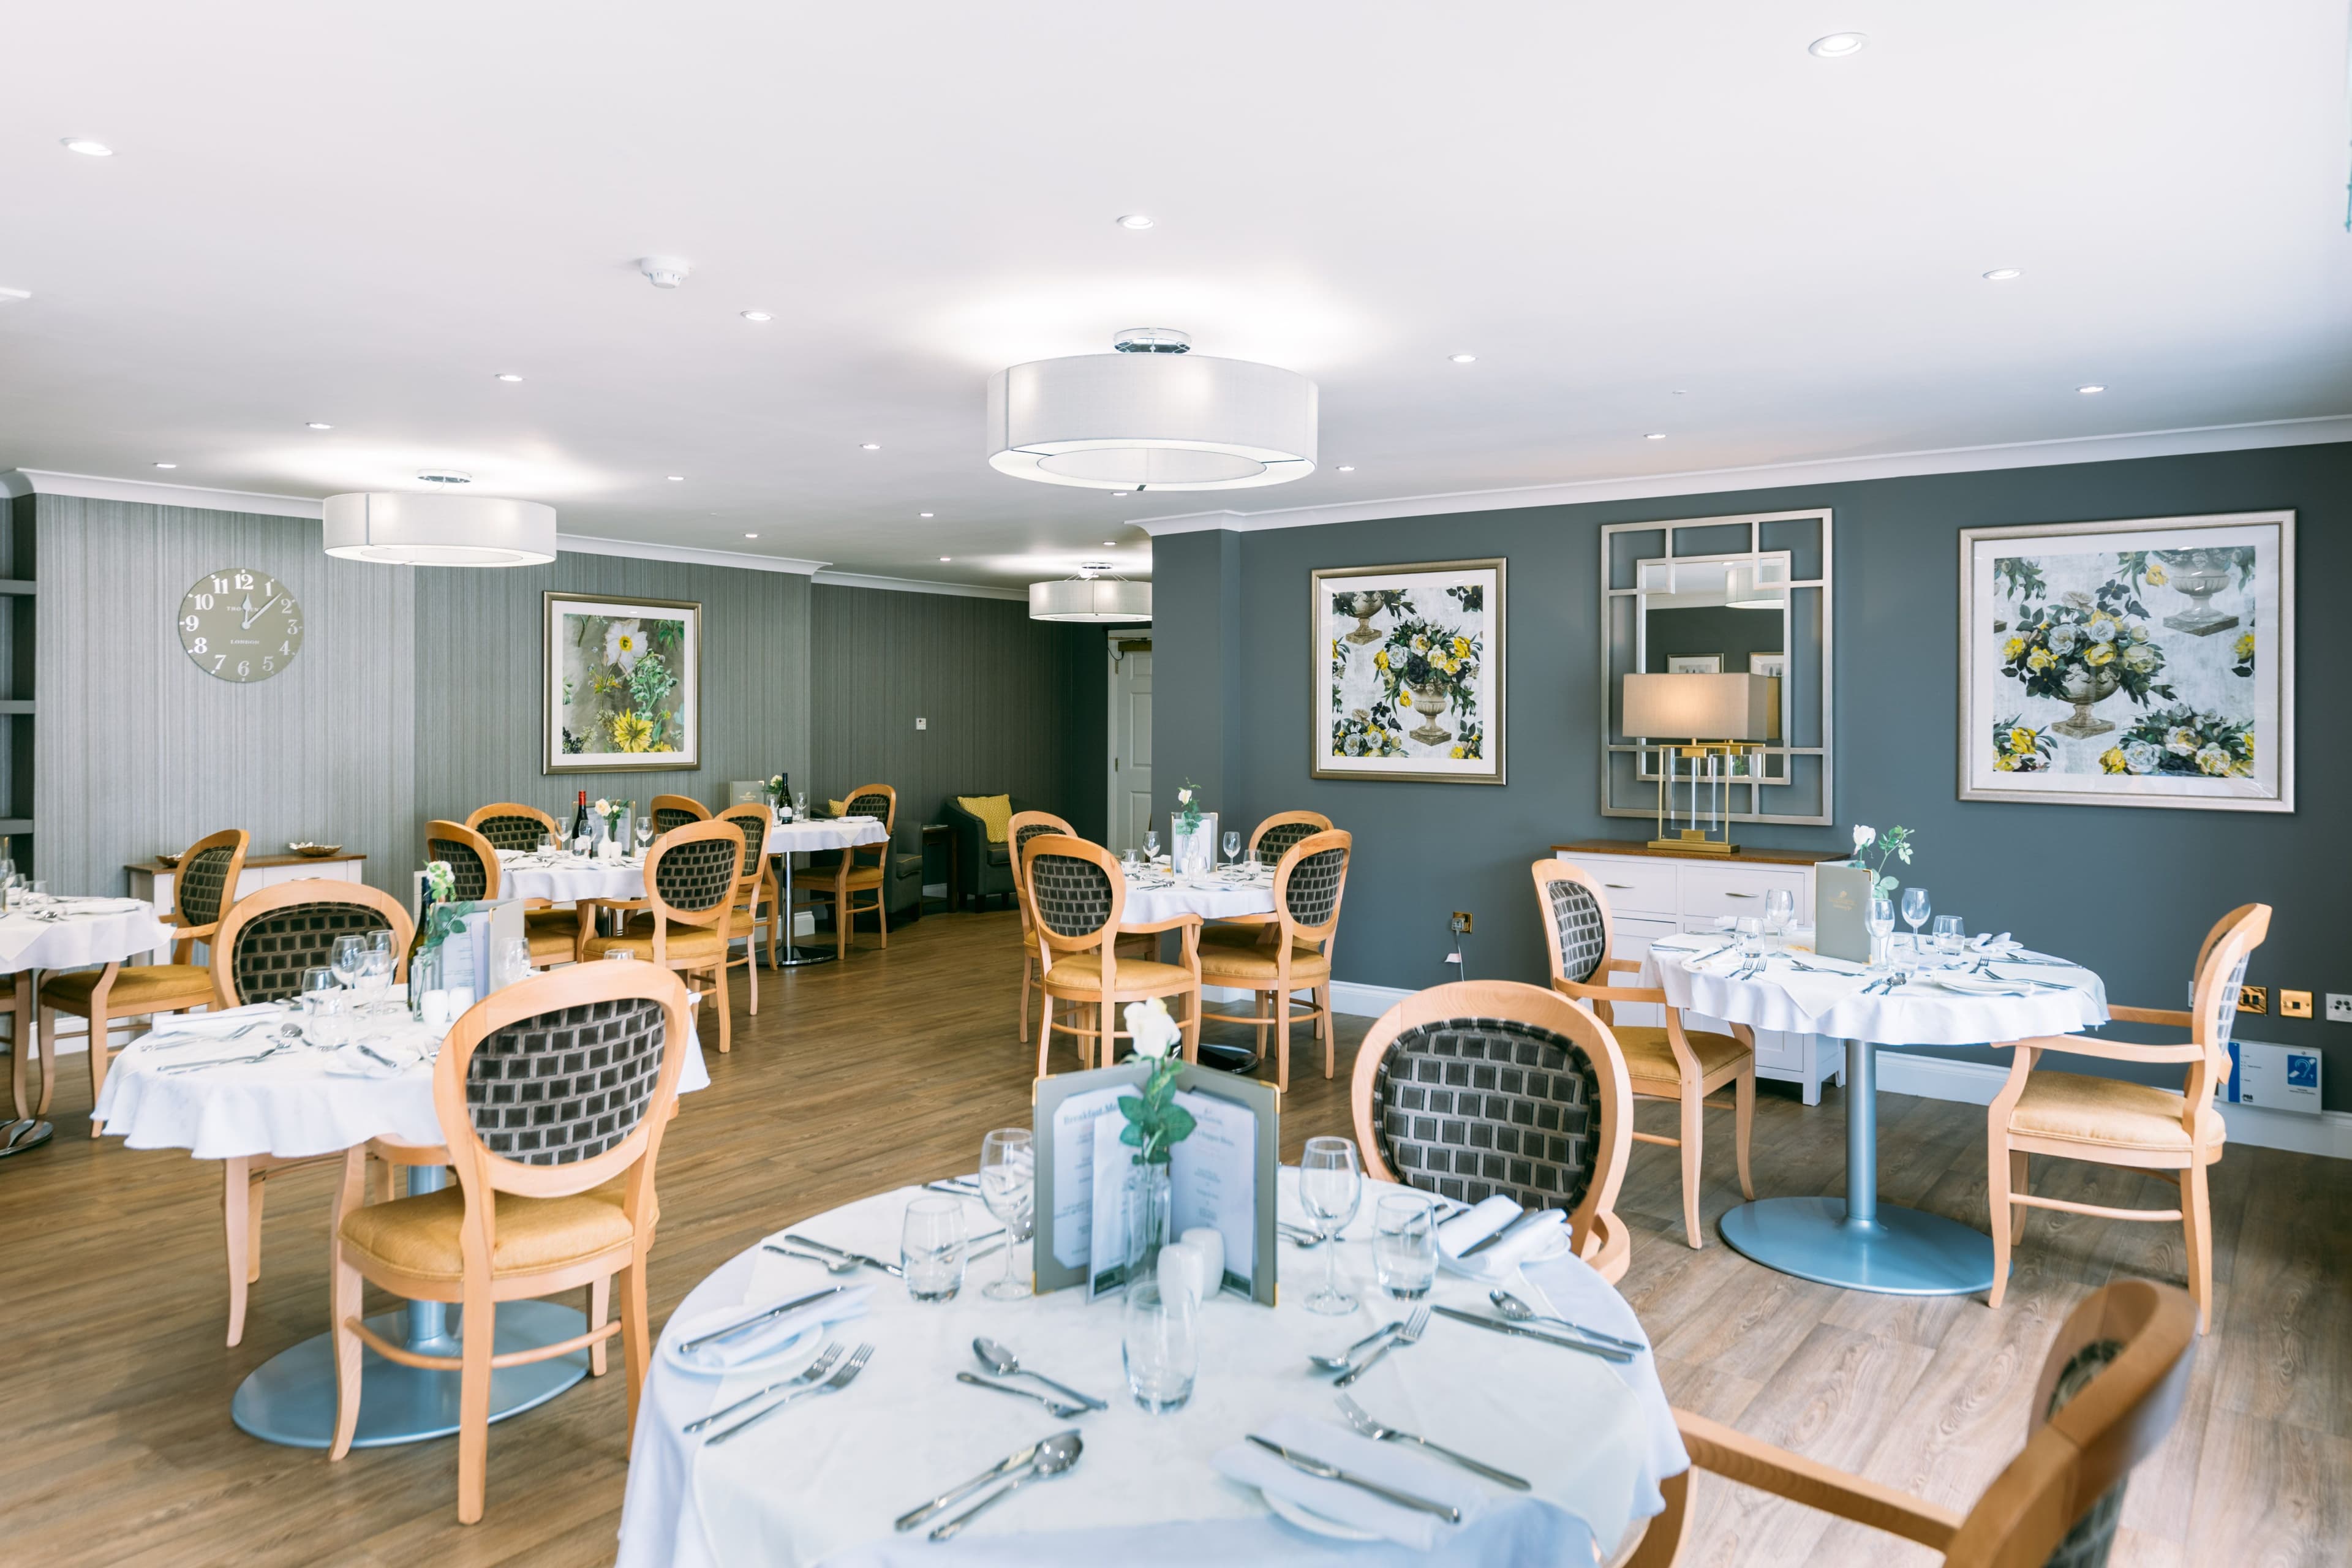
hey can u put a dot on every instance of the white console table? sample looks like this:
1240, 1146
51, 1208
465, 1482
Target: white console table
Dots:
1655, 892
154, 882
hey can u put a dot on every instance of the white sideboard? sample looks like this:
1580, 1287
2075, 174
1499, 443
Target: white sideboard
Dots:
154, 882
1655, 892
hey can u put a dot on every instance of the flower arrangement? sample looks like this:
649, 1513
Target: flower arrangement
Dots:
1365, 732
1188, 807
2182, 741
1155, 1122
2086, 639
776, 789
1894, 844
442, 914
612, 811
1420, 654
2019, 747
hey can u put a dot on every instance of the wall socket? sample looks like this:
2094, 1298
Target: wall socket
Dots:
2254, 998
1461, 923
2294, 1004
2339, 1007
922, 723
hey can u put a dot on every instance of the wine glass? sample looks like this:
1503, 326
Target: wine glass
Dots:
1779, 914
349, 956
799, 805
1233, 846
1330, 1186
1008, 1185
1915, 910
1151, 846
644, 837
1882, 922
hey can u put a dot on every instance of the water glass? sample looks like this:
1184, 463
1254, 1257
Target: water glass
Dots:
1779, 914
349, 952
1152, 844
1160, 1340
799, 805
1404, 1244
1233, 847
645, 836
316, 981
1748, 931
1008, 1185
931, 1248
36, 894
1952, 935
514, 961
1915, 910
374, 976
1882, 922
1330, 1186
329, 1023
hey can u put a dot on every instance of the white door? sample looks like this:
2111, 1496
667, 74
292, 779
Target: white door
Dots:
1131, 750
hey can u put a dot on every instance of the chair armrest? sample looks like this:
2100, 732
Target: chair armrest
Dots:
1753, 1462
2112, 1050
2169, 1017
1621, 966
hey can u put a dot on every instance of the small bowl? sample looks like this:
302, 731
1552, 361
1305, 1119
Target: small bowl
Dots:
316, 851
169, 858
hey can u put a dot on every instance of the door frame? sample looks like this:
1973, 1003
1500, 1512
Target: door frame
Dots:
1111, 791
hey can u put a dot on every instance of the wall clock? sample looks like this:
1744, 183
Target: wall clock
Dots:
240, 624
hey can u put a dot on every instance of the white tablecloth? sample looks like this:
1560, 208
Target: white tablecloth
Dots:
1154, 896
291, 1106
1919, 1013
91, 931
824, 1481
566, 878
825, 833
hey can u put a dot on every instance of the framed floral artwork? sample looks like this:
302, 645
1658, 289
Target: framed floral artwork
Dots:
2147, 662
623, 683
1407, 669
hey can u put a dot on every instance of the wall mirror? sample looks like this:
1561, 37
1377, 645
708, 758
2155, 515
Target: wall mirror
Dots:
1721, 596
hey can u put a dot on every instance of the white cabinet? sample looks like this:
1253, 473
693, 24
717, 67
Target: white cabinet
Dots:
1654, 894
157, 884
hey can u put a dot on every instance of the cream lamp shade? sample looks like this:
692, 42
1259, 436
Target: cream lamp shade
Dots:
1702, 707
398, 529
1112, 599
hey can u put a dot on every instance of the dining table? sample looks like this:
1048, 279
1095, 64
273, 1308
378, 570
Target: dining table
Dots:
1986, 994
1158, 893
41, 935
306, 1099
825, 1480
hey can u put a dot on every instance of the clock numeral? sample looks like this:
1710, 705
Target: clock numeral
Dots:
244, 579
199, 646
189, 622
203, 601
293, 629
269, 587
220, 585
269, 664
244, 668
219, 659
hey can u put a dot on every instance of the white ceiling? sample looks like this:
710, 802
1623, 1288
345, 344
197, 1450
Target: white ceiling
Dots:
359, 214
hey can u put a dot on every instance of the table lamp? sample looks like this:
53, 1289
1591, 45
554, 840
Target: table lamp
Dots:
1724, 713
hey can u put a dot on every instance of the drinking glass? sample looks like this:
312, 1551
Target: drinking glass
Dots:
645, 836
514, 961
318, 980
1130, 862
800, 804
329, 1021
1330, 1186
350, 953
1779, 914
554, 843
930, 1248
1233, 848
1404, 1244
1915, 910
375, 974
1008, 1185
1882, 922
1162, 1343
1151, 845
36, 894
1952, 935
1748, 931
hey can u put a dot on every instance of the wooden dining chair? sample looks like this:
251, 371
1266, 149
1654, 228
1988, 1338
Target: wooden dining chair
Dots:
1670, 1063
852, 876
676, 811
1483, 1087
1077, 897
266, 941
2110, 1389
1292, 953
2174, 1136
206, 884
756, 895
1272, 840
1019, 828
552, 1094
691, 874
512, 827
554, 933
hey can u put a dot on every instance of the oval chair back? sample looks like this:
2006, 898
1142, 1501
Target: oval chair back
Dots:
1577, 926
879, 801
1307, 883
511, 826
676, 811
752, 823
2213, 1004
1272, 838
1490, 1086
691, 874
1019, 829
1077, 898
274, 934
473, 860
205, 885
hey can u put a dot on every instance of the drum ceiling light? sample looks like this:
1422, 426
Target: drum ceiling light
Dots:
1152, 416
1093, 594
394, 529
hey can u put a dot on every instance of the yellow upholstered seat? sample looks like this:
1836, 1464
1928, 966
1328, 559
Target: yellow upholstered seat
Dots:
1648, 1055
552, 934
1085, 970
419, 1235
1243, 933
697, 945
2111, 1111
138, 988
1234, 961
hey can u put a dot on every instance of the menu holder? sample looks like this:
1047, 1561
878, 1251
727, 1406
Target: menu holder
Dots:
1222, 1177
1842, 911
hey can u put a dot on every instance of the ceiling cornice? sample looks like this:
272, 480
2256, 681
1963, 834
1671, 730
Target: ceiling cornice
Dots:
919, 585
640, 551
154, 492
1811, 472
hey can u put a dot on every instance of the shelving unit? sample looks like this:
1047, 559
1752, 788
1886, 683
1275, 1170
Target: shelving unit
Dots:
16, 627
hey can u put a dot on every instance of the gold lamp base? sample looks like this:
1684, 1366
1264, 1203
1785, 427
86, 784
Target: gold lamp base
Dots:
1695, 841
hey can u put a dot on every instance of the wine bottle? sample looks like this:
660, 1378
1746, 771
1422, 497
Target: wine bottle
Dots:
580, 819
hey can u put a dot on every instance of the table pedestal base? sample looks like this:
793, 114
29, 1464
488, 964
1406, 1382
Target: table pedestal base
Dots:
291, 1398
17, 1137
791, 957
1898, 1252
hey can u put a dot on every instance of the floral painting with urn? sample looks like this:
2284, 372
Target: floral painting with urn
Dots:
2138, 663
1408, 671
623, 684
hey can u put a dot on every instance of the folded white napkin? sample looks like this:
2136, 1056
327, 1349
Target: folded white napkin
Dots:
723, 1356
1390, 1464
350, 1062
1466, 1229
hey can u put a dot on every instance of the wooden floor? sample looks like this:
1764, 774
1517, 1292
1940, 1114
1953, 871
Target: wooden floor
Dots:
888, 1069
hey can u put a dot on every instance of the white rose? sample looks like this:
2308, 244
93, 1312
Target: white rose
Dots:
1184, 797
1864, 837
1155, 1033
604, 808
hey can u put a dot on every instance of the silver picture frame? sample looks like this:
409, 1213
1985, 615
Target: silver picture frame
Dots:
1362, 723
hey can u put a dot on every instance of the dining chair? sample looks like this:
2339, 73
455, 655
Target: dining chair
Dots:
552, 1094
676, 811
1272, 838
1019, 828
473, 862
1670, 1063
1077, 897
2174, 1136
2110, 1389
756, 895
1485, 1087
852, 876
691, 874
206, 882
1292, 953
510, 826
266, 941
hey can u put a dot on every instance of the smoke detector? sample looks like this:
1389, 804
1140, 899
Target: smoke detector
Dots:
665, 271
446, 476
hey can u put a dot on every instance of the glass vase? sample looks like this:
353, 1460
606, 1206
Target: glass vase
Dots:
1193, 852
1149, 1210
424, 976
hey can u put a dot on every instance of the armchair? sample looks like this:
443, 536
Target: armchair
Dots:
983, 868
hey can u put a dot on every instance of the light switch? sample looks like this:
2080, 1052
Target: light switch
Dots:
922, 723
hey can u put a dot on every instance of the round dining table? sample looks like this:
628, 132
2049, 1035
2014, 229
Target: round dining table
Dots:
824, 1480
1983, 996
65, 933
303, 1102
1156, 895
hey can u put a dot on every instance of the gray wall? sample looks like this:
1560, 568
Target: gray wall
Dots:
2129, 891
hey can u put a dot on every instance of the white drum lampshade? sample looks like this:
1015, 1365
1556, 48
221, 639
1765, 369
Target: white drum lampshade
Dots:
395, 529
1090, 599
1702, 708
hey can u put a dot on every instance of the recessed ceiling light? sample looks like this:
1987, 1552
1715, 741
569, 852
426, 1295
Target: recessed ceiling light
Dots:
947, 557
1347, 468
1116, 495
167, 465
1135, 220
923, 514
1110, 544
1465, 359
758, 316
86, 147
869, 446
674, 478
2086, 391
507, 375
750, 536
1837, 45
1654, 435
318, 424
2003, 274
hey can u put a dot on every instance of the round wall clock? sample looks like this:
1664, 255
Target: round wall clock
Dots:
240, 624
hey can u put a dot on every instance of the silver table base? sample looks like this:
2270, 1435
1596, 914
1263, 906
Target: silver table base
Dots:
1854, 1241
23, 1135
788, 955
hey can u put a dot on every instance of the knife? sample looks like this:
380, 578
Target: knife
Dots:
1500, 1327
1307, 1464
1003, 1467
890, 1269
776, 1312
1482, 1244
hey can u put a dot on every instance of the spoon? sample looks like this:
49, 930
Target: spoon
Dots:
1055, 1455
1346, 1358
1519, 1311
1000, 1360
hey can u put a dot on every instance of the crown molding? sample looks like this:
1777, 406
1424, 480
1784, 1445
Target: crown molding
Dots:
154, 492
1810, 471
920, 585
579, 544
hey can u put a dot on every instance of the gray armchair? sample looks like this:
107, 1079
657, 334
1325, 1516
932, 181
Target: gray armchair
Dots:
981, 869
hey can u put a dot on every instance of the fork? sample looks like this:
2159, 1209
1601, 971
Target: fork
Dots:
834, 1384
1362, 1420
1415, 1327
812, 1372
222, 1061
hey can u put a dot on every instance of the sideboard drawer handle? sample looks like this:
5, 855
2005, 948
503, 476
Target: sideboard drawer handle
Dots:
1618, 885
1731, 895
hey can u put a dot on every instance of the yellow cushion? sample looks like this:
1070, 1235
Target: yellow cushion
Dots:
2106, 1111
994, 811
1239, 933
138, 988
1238, 961
687, 944
419, 1234
837, 807
1083, 971
1649, 1056
552, 934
